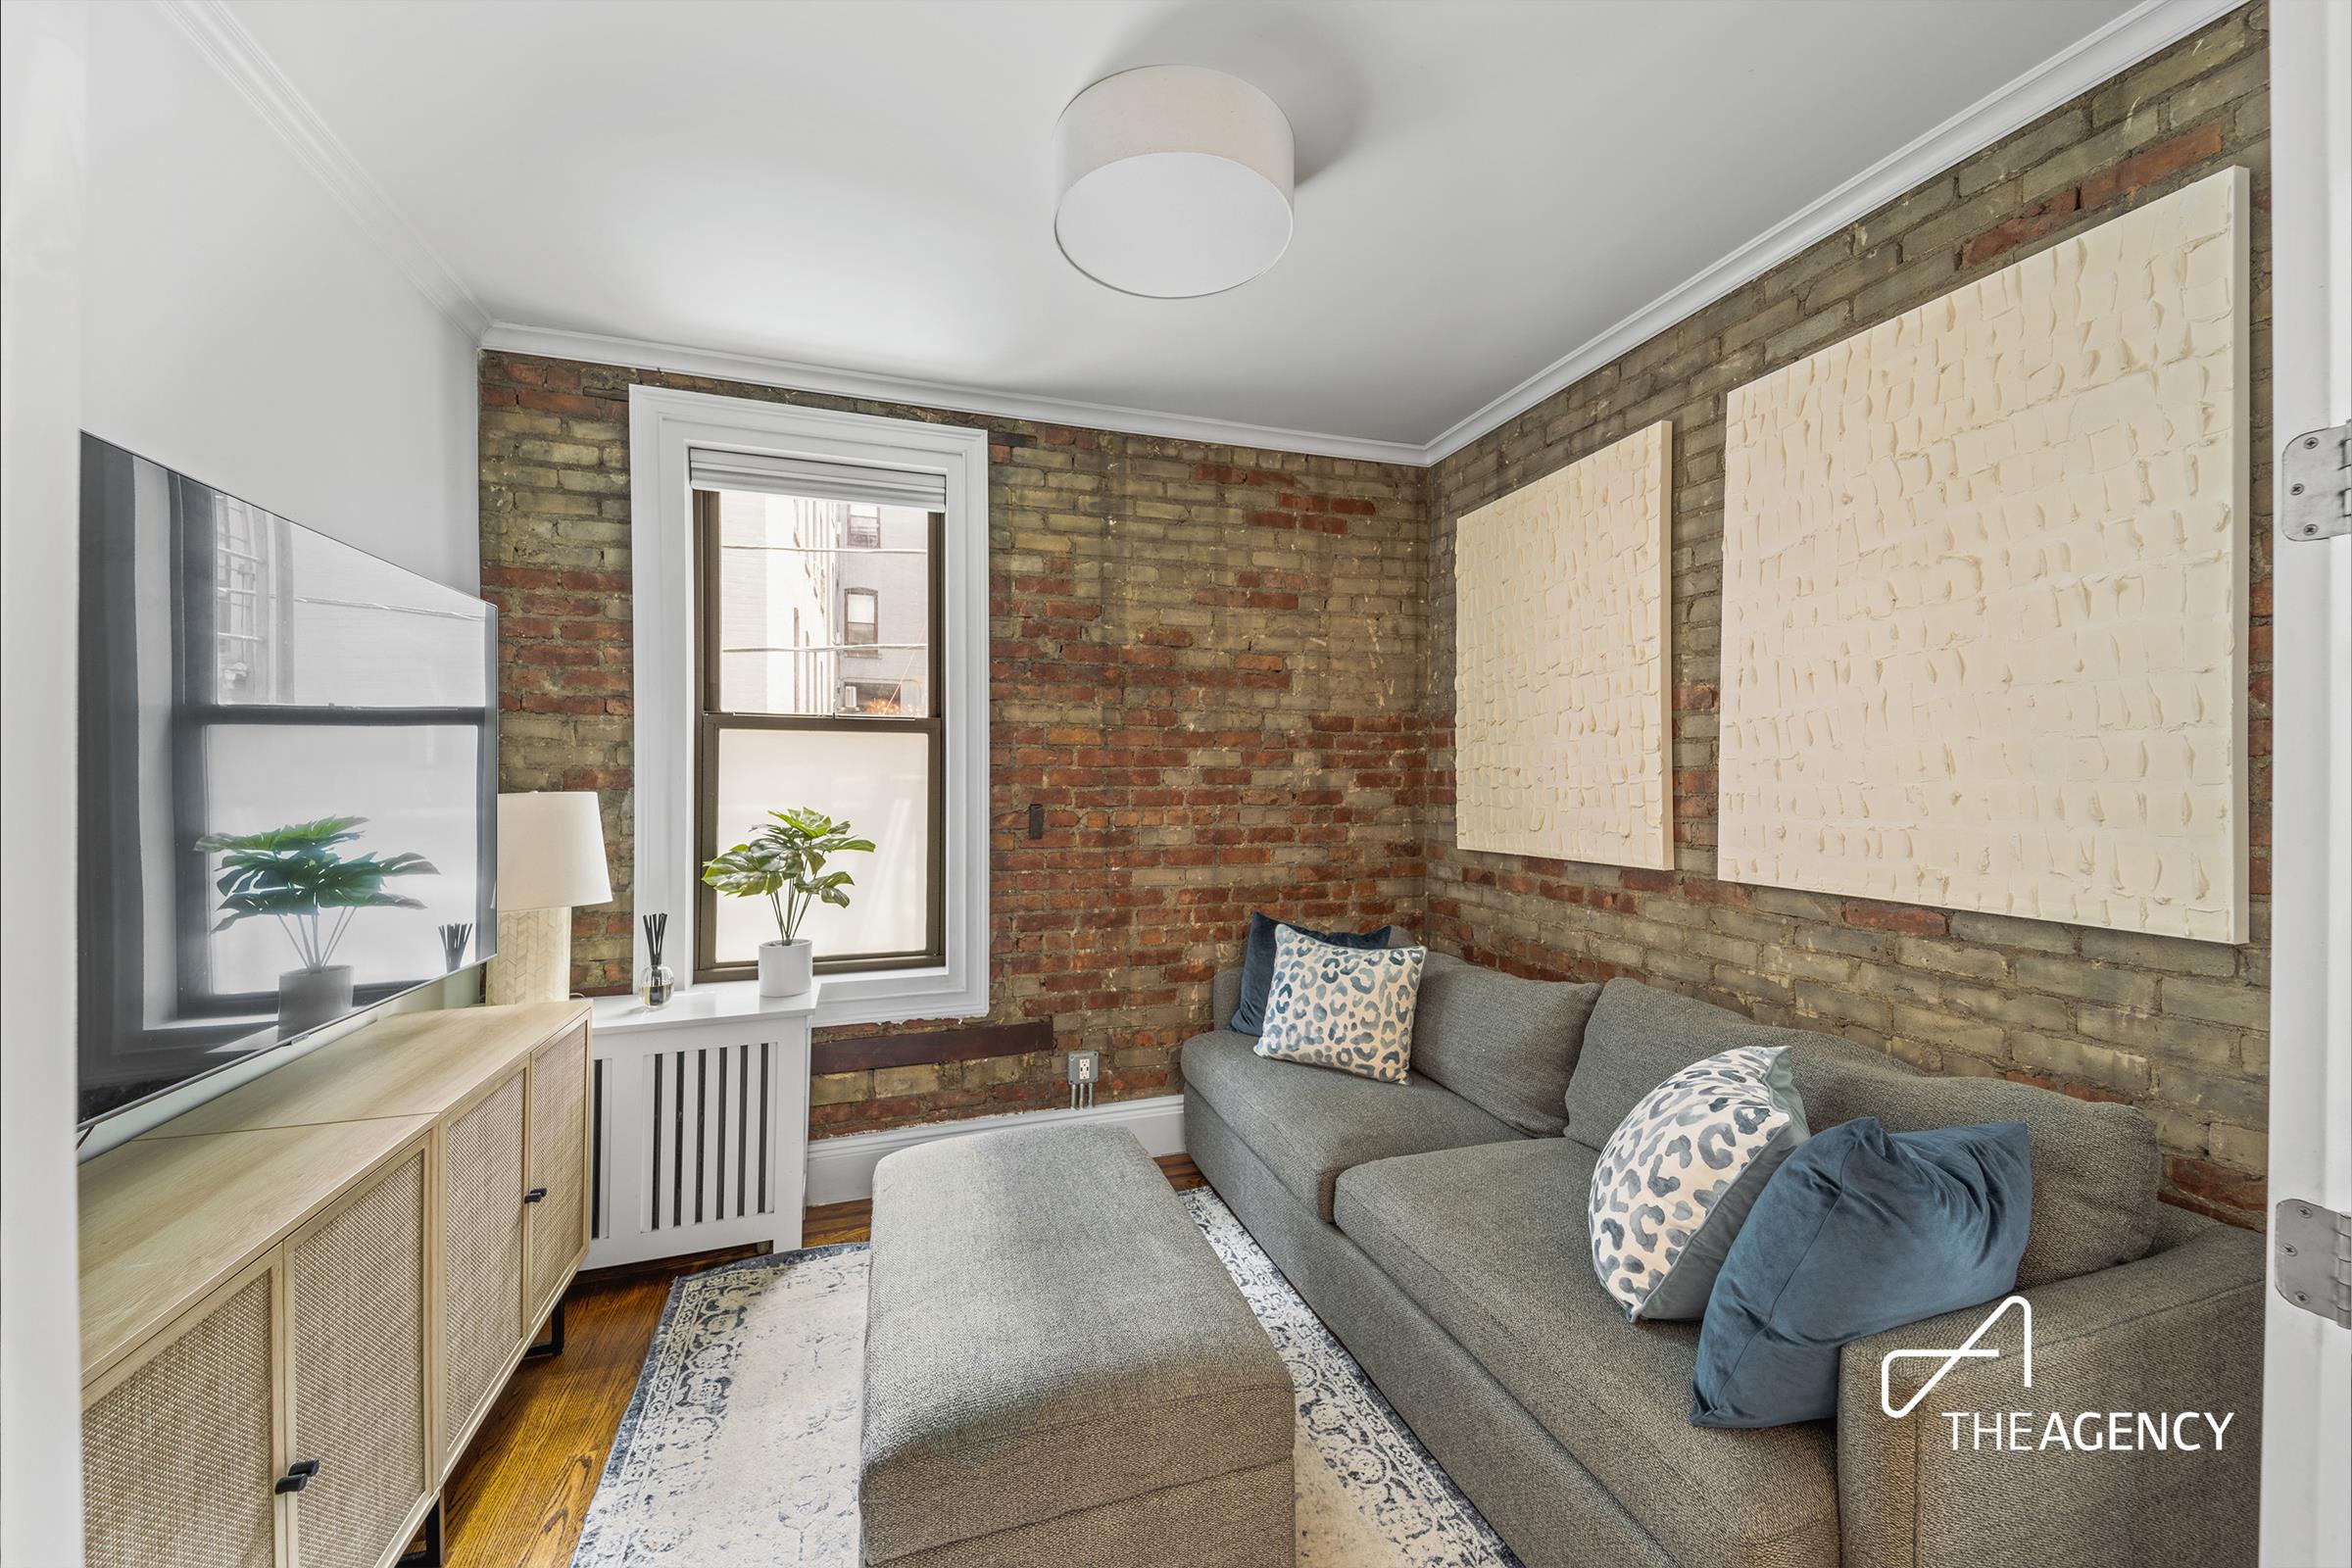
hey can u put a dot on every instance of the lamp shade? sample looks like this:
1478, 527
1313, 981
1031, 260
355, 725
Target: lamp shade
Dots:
551, 852
1174, 181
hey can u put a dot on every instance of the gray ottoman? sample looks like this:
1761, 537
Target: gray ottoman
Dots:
1058, 1371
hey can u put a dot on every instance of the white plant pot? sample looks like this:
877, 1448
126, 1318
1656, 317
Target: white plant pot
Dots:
786, 968
309, 998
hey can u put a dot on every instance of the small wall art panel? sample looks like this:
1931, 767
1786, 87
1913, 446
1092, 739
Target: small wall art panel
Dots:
1984, 592
1562, 671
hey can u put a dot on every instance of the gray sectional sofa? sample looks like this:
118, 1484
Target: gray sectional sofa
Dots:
1438, 1227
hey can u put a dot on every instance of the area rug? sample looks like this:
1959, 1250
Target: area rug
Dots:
741, 1444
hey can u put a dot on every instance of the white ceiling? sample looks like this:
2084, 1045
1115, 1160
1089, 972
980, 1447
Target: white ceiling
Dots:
1485, 185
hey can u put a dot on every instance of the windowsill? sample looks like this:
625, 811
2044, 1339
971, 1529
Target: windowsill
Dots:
726, 1002
889, 995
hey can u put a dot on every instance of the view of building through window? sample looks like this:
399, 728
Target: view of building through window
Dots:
819, 626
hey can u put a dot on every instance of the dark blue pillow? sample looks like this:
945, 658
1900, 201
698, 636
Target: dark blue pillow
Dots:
1257, 965
1860, 1230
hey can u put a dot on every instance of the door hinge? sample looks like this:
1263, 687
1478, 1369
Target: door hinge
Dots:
2315, 484
2313, 1247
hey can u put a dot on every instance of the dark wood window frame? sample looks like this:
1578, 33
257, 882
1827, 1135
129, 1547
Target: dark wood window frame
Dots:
711, 721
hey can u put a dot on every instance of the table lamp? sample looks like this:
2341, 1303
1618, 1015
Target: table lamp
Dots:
551, 858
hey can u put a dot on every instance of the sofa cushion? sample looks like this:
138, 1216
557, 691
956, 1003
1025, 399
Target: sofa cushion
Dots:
1491, 1243
1247, 1015
1343, 1007
1508, 1045
1681, 1171
2095, 1165
1308, 1124
1861, 1231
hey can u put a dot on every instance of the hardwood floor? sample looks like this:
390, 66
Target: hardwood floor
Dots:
517, 1496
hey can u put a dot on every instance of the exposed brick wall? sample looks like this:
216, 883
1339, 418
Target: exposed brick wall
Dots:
1206, 669
2177, 1027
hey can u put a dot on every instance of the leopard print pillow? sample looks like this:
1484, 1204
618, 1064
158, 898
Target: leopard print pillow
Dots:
1345, 1007
1679, 1175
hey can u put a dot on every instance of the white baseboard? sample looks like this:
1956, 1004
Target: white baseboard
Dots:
841, 1171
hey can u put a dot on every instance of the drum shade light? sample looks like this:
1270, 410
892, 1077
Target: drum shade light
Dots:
1174, 181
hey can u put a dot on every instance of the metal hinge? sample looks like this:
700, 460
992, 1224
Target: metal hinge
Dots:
2315, 484
2313, 1247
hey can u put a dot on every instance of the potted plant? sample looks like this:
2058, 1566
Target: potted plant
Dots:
294, 873
784, 862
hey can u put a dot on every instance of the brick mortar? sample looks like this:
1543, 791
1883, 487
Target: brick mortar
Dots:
2176, 1027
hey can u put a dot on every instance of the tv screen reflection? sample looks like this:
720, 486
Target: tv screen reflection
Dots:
287, 775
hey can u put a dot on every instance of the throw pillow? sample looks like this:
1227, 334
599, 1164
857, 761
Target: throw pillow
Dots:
1345, 1007
1863, 1230
1257, 965
1678, 1176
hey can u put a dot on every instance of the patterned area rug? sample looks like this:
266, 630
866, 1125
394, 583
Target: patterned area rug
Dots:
741, 1444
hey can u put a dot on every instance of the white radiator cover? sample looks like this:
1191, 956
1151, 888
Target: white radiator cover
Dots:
702, 1131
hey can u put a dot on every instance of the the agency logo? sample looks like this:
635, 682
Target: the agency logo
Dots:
2032, 1431
1971, 1348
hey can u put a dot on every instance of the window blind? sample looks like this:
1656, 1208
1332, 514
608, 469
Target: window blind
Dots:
709, 468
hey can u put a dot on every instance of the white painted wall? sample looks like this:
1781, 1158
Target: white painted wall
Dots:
177, 281
239, 325
41, 141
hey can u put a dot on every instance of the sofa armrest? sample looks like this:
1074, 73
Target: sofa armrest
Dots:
2178, 1331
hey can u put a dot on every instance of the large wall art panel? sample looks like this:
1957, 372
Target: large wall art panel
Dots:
1561, 670
1984, 592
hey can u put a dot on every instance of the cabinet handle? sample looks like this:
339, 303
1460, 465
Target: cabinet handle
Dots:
298, 1475
534, 1195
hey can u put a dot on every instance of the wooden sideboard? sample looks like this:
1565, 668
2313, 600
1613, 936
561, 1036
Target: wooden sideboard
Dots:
300, 1299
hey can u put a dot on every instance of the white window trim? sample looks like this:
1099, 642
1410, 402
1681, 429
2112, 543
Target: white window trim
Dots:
663, 425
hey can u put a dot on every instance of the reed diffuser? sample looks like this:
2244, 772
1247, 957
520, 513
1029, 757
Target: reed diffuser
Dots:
656, 985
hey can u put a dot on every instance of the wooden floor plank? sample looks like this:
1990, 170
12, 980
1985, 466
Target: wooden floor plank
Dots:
518, 1497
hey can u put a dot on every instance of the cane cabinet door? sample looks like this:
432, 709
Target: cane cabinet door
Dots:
482, 1245
356, 1394
179, 1453
556, 1209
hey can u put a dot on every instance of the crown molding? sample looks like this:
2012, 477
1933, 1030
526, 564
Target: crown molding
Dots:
222, 39
2066, 75
600, 348
2130, 38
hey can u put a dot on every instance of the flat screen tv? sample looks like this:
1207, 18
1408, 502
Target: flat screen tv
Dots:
287, 781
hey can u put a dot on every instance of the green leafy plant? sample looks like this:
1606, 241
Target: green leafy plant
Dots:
294, 872
784, 862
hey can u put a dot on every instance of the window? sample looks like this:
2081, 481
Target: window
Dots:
860, 613
748, 529
778, 726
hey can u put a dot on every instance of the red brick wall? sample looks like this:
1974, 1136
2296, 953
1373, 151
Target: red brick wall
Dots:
2176, 1027
1205, 669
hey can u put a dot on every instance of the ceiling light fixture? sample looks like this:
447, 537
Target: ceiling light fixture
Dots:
1174, 181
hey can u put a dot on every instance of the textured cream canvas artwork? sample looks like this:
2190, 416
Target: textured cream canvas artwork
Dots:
1984, 592
1560, 670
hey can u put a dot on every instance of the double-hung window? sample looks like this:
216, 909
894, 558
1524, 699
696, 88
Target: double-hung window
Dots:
810, 594
788, 608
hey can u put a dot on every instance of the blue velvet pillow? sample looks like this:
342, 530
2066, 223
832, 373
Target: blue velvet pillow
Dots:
1257, 965
1859, 1230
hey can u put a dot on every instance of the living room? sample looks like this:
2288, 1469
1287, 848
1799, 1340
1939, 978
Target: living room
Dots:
1160, 783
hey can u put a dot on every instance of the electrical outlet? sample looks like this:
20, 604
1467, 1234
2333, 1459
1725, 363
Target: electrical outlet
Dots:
1085, 1066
